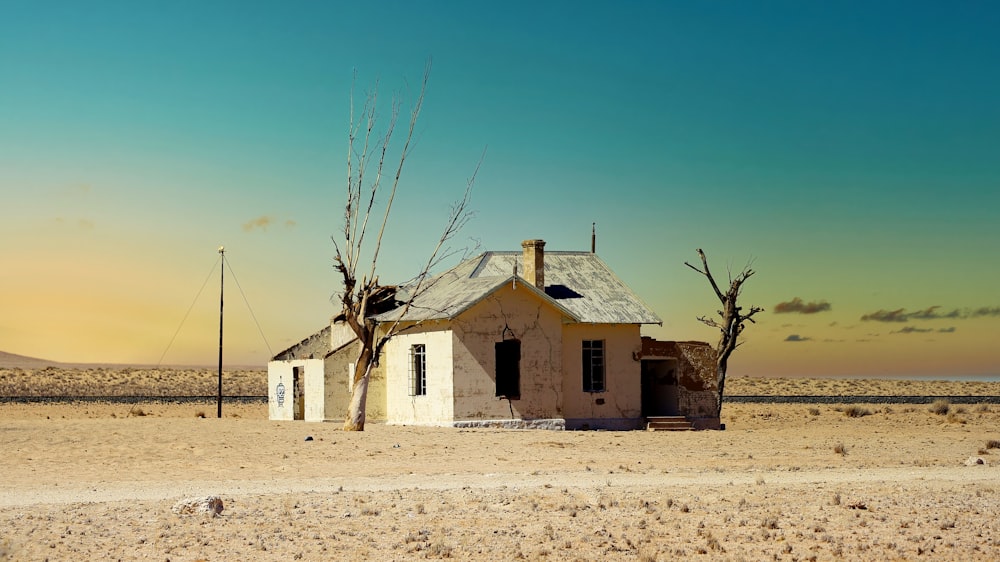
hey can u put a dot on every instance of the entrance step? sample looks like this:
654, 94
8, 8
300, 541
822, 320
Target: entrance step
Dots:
668, 423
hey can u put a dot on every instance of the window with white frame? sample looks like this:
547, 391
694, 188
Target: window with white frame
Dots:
418, 370
593, 366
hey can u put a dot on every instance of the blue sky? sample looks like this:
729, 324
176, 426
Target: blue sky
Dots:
850, 150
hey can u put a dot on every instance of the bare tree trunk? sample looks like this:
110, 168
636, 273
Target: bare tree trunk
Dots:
355, 419
721, 382
733, 320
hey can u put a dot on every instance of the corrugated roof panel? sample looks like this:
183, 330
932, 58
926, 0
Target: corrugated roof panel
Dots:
580, 283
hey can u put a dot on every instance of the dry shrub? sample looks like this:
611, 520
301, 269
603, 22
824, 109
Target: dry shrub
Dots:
840, 449
983, 409
439, 550
993, 444
813, 411
940, 407
953, 418
855, 411
199, 414
137, 412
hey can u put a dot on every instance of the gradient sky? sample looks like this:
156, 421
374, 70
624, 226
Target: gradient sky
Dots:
850, 150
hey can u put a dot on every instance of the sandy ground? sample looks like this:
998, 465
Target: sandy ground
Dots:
783, 482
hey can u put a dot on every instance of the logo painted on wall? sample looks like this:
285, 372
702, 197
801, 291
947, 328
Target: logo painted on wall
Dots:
279, 391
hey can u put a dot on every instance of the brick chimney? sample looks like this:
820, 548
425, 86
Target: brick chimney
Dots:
534, 262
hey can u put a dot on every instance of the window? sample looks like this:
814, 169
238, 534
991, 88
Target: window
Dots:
593, 365
508, 375
418, 370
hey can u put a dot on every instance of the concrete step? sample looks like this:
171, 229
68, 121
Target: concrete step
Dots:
668, 423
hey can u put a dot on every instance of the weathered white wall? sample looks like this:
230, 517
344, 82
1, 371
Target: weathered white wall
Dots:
622, 399
338, 382
280, 373
340, 335
476, 331
437, 406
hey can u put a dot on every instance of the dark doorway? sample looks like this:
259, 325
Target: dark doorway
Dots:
660, 393
298, 394
508, 375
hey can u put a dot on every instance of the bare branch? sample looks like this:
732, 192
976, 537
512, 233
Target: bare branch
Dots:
704, 262
363, 301
377, 182
414, 114
458, 217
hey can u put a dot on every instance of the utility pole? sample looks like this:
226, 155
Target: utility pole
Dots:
222, 285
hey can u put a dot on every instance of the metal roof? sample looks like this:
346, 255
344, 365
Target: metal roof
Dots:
579, 284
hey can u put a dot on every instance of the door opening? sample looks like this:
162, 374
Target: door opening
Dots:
660, 390
298, 394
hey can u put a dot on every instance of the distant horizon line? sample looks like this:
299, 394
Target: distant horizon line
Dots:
10, 360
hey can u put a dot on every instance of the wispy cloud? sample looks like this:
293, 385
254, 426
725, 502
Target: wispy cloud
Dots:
261, 222
898, 315
985, 311
797, 338
912, 330
930, 313
264, 221
797, 305
918, 330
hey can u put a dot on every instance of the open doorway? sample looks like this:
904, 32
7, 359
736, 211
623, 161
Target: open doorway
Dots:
508, 372
660, 395
298, 394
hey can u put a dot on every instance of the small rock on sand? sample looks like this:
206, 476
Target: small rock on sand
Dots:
210, 505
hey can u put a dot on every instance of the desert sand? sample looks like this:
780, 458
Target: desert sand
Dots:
783, 481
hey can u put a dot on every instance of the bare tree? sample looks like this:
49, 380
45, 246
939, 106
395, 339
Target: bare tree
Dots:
368, 152
733, 319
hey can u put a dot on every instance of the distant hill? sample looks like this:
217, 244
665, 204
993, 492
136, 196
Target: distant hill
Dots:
15, 361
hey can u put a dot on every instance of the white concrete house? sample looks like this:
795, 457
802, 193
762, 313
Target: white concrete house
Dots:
512, 339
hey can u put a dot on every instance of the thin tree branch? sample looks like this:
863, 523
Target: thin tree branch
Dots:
458, 217
414, 114
707, 273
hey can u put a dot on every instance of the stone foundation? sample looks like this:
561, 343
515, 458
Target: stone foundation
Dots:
556, 424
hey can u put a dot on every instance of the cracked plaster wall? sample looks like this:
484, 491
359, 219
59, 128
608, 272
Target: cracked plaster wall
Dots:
622, 399
437, 406
696, 378
476, 331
